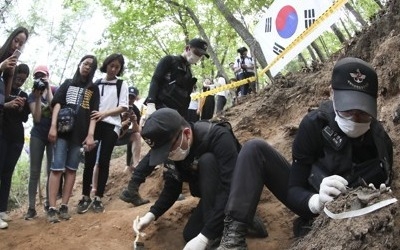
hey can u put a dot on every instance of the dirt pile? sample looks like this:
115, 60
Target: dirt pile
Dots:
375, 231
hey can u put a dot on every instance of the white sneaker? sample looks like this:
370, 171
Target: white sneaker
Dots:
3, 224
5, 217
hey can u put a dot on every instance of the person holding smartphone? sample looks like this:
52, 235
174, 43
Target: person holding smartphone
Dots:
8, 61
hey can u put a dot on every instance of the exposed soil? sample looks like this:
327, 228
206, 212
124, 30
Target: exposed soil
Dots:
273, 114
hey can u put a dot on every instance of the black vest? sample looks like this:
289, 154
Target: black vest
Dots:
337, 154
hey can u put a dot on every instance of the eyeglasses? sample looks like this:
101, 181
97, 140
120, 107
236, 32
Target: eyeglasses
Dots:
355, 115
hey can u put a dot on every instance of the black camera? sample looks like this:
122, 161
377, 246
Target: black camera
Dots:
39, 84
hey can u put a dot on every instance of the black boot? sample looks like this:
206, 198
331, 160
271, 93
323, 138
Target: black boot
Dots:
234, 235
131, 195
257, 228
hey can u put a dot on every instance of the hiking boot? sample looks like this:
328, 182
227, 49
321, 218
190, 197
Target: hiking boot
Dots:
133, 197
234, 235
3, 224
97, 205
63, 212
5, 217
302, 226
30, 214
257, 228
84, 204
52, 215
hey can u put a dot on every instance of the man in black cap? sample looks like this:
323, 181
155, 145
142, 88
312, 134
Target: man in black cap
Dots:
204, 155
244, 68
130, 131
172, 81
339, 145
171, 86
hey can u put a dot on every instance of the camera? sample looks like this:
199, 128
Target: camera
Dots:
39, 84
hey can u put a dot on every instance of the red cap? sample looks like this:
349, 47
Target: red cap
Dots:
41, 68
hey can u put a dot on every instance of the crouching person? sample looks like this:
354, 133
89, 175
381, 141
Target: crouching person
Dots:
337, 146
204, 155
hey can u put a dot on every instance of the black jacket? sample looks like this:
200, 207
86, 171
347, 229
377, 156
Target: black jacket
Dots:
171, 84
13, 118
317, 155
220, 141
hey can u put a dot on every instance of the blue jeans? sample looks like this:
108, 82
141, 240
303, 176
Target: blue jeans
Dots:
66, 155
37, 148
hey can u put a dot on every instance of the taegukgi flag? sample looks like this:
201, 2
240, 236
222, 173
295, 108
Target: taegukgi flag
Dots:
284, 21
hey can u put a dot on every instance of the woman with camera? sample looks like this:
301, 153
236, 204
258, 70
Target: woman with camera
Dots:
39, 103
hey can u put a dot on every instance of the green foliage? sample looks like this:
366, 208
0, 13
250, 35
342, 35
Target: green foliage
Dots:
20, 179
367, 8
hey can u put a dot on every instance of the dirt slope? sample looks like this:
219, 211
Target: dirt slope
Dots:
272, 114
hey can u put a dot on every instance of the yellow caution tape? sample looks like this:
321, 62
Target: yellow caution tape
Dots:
335, 6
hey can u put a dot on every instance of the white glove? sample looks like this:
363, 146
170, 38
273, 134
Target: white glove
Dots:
143, 222
199, 242
330, 187
151, 107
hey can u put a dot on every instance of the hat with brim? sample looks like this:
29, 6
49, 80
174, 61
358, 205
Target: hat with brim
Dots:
160, 154
200, 45
348, 100
159, 132
355, 86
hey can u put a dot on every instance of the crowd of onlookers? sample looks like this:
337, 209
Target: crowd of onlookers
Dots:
98, 114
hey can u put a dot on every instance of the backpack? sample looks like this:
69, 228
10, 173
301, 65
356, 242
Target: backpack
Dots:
118, 84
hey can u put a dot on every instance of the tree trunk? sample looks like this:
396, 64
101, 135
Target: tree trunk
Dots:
345, 28
338, 33
302, 59
356, 14
318, 51
312, 54
326, 49
244, 33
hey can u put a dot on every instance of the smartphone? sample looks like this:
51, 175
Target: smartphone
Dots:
17, 53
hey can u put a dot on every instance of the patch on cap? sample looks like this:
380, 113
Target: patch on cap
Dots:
159, 132
355, 86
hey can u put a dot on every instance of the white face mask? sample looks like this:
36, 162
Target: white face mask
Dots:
192, 58
179, 154
352, 129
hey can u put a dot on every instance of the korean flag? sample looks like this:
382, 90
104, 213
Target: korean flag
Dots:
283, 22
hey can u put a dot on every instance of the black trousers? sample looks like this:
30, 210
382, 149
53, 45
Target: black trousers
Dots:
105, 134
208, 182
258, 164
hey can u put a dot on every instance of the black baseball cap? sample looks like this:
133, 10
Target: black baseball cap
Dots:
133, 91
355, 86
200, 45
159, 132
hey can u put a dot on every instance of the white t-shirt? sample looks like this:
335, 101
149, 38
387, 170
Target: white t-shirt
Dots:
248, 61
220, 81
108, 100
